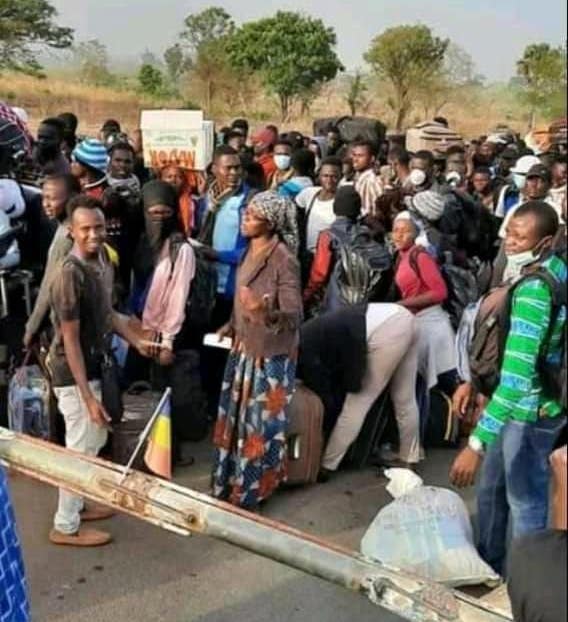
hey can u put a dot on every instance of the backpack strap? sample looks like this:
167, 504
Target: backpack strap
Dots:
558, 295
413, 261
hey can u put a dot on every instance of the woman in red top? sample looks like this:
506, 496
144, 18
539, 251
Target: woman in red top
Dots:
422, 291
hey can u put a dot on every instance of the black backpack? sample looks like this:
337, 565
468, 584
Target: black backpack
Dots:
360, 264
203, 292
461, 283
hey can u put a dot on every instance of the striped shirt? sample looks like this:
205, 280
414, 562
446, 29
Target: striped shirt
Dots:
519, 395
370, 187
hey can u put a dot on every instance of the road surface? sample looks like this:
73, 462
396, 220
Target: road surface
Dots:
148, 574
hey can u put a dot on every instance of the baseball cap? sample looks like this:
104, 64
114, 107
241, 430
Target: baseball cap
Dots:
524, 164
539, 170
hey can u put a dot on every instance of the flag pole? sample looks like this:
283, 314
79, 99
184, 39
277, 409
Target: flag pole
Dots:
145, 433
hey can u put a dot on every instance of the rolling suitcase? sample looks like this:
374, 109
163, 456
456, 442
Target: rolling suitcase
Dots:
137, 412
305, 436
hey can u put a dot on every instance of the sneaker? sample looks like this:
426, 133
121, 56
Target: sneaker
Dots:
83, 537
92, 512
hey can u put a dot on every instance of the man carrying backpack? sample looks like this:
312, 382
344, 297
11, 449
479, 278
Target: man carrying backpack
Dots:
518, 427
349, 264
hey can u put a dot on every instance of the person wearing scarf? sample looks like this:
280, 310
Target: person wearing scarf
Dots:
220, 214
163, 279
164, 269
250, 432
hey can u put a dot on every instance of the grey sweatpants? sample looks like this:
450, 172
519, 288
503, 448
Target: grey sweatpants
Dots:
391, 356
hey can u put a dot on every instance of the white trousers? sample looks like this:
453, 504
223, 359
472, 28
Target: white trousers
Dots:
392, 355
83, 435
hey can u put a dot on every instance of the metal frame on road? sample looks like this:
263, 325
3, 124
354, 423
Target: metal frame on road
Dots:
184, 511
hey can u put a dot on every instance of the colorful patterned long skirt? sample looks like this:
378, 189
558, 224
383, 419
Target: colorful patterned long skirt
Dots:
14, 605
250, 433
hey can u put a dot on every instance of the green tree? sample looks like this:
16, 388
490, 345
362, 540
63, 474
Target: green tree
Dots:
355, 96
454, 81
91, 58
405, 57
291, 52
150, 79
205, 38
175, 61
542, 71
25, 25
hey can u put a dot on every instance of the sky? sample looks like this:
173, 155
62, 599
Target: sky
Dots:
493, 32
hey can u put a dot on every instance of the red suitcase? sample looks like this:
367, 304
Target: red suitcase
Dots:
305, 436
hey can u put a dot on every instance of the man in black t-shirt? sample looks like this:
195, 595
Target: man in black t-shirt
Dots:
83, 320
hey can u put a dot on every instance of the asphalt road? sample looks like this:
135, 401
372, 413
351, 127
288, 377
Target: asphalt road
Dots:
148, 574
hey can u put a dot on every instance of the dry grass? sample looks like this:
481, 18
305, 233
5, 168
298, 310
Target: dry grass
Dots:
474, 115
92, 104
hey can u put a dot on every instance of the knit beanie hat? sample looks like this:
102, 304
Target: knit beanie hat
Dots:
92, 153
429, 204
157, 192
347, 202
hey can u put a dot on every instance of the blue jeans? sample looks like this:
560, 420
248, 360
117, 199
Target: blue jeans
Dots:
515, 480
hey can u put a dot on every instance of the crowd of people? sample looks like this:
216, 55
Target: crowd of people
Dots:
348, 267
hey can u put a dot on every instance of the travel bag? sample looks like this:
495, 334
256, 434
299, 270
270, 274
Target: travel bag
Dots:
138, 409
305, 436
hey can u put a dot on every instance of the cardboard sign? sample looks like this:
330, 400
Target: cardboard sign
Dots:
179, 137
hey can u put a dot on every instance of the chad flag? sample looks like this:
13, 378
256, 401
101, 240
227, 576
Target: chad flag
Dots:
158, 456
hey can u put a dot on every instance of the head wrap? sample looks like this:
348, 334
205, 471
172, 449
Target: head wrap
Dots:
158, 192
347, 203
428, 204
280, 213
92, 153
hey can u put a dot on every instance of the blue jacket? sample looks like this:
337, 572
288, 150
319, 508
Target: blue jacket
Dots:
228, 259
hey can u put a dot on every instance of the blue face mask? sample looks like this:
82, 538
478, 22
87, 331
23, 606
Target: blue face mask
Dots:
282, 162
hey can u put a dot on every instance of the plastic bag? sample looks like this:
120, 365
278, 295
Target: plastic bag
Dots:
427, 531
29, 402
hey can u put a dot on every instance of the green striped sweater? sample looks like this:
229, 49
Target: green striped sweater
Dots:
519, 395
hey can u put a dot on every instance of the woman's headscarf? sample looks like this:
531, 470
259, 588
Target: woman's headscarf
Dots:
158, 192
280, 213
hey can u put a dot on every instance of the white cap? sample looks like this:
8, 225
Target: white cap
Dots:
524, 164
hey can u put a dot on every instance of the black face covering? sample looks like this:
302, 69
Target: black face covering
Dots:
156, 233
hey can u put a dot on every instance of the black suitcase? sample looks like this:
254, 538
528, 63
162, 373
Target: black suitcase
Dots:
190, 418
125, 435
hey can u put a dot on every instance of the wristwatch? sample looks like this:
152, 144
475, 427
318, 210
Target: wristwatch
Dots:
476, 445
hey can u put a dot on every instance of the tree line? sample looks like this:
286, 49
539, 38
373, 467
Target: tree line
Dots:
289, 55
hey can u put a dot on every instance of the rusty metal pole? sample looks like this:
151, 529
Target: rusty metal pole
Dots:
185, 511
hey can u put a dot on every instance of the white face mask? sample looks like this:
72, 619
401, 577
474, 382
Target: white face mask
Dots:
282, 162
519, 180
417, 177
453, 178
516, 263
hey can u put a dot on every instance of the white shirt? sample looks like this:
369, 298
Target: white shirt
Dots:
378, 313
320, 217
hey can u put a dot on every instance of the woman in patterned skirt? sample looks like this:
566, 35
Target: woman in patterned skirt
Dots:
250, 433
14, 605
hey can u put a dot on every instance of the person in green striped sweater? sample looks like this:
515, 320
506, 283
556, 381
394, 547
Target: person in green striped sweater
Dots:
518, 427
